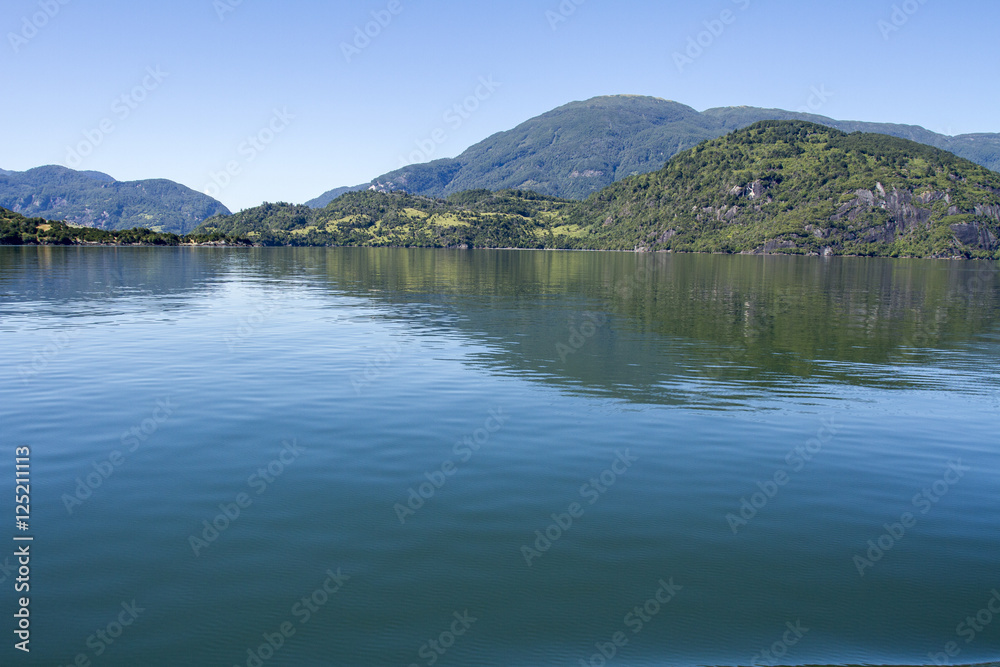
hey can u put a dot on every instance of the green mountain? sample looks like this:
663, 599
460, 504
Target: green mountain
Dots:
583, 147
775, 187
797, 187
981, 148
97, 200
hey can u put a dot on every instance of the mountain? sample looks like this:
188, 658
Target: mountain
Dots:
982, 148
582, 147
787, 187
330, 195
94, 199
796, 187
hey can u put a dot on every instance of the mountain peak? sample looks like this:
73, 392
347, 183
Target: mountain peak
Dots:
581, 147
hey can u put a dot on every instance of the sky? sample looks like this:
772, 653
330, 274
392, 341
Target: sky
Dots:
259, 100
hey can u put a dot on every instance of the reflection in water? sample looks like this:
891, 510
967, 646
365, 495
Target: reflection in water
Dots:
857, 380
661, 328
665, 326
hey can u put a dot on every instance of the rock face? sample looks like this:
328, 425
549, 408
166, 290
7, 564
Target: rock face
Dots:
899, 204
975, 235
907, 212
800, 188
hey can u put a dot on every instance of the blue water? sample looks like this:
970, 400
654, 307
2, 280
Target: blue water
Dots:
394, 426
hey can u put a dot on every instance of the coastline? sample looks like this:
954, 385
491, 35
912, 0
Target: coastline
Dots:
640, 251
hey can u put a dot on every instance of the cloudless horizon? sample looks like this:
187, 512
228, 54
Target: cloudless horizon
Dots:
177, 90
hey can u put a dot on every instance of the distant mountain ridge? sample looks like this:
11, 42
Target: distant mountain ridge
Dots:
95, 199
330, 195
582, 147
775, 187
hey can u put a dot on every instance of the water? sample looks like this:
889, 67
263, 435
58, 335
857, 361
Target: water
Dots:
397, 424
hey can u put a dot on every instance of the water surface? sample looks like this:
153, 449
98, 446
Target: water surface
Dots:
733, 434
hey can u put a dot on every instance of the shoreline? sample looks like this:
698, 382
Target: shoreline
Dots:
242, 246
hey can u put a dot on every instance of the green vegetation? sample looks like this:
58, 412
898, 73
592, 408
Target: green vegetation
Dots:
775, 187
582, 147
97, 200
802, 188
570, 152
474, 219
15, 229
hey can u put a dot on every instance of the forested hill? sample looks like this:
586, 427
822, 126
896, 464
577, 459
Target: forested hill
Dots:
800, 187
477, 218
775, 187
97, 200
16, 229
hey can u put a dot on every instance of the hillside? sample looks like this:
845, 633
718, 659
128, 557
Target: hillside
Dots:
570, 152
97, 200
15, 229
799, 187
582, 147
775, 187
983, 148
475, 219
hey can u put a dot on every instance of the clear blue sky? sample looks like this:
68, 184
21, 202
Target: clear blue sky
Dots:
225, 77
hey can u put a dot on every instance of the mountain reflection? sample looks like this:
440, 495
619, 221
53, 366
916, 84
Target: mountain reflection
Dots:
660, 328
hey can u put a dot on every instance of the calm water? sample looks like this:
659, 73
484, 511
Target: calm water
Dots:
795, 455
